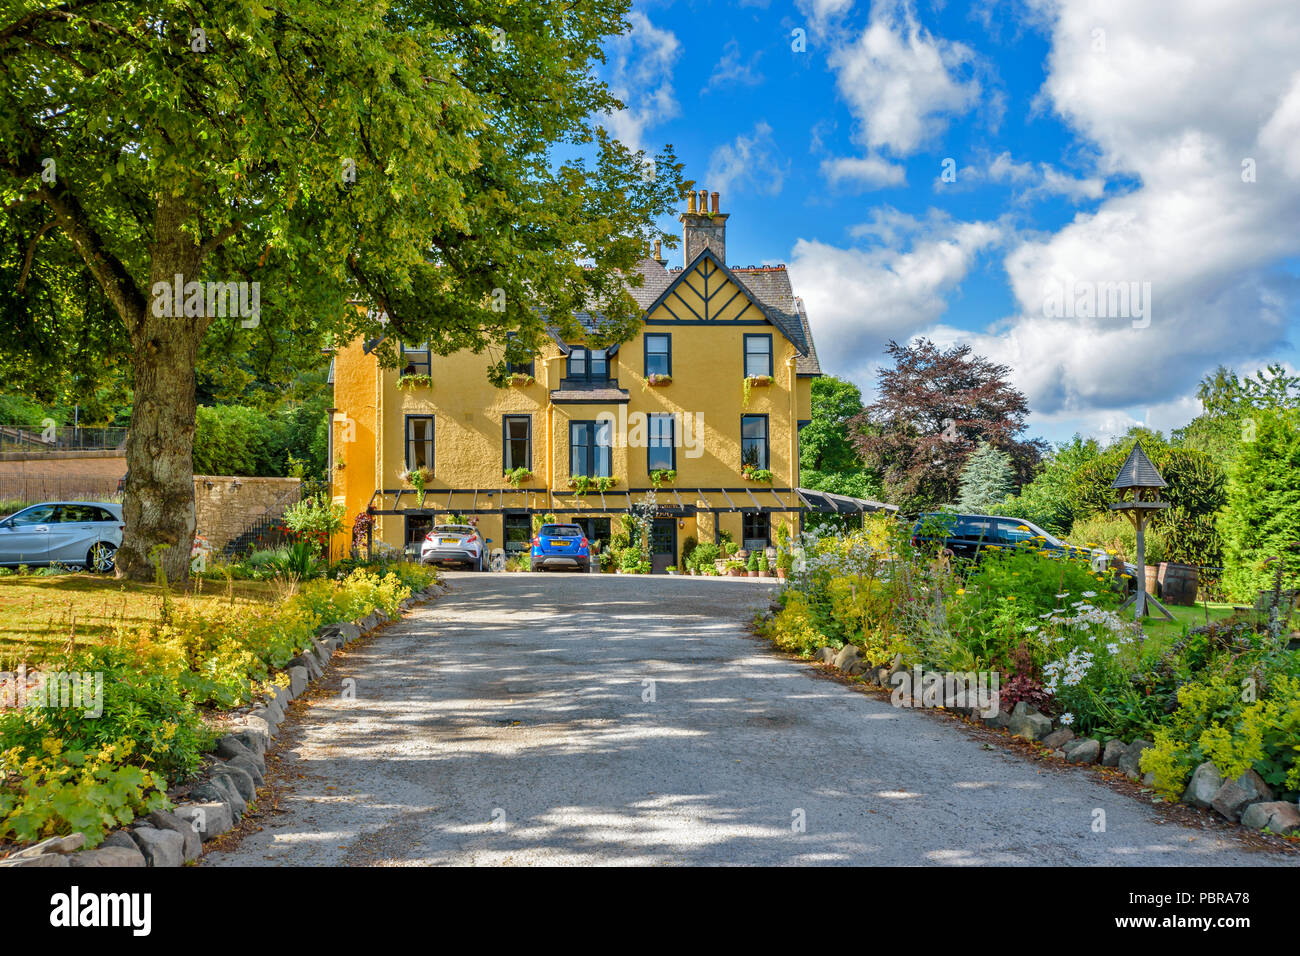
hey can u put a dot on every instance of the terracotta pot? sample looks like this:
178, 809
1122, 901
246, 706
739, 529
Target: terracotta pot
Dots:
754, 574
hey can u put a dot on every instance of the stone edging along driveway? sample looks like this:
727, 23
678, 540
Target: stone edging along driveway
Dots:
1036, 744
224, 788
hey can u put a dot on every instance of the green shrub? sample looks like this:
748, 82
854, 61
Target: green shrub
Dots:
794, 627
1117, 535
140, 704
1213, 722
1262, 515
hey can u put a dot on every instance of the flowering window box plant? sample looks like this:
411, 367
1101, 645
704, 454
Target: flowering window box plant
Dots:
418, 478
655, 379
414, 381
753, 473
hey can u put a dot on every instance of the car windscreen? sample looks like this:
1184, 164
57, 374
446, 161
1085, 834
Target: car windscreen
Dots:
561, 531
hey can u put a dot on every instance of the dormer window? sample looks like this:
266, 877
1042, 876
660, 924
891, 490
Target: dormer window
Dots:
587, 366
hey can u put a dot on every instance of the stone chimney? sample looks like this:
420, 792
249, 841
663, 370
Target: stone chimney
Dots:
702, 228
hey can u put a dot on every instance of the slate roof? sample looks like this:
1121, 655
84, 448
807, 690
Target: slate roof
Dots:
1138, 472
588, 396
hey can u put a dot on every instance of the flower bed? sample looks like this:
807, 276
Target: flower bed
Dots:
1219, 706
85, 769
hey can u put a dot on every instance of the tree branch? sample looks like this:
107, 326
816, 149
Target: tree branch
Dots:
118, 285
31, 250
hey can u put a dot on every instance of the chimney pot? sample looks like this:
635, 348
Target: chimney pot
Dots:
704, 201
690, 207
715, 202
658, 253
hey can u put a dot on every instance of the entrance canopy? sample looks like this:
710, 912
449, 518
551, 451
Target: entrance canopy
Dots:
670, 498
829, 503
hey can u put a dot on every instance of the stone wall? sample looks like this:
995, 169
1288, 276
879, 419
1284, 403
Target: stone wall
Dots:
225, 506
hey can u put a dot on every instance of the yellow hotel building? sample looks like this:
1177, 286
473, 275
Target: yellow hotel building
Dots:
673, 398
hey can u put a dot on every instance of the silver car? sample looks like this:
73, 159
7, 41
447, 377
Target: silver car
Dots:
79, 534
453, 544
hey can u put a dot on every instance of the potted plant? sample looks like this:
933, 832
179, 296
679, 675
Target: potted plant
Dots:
517, 476
762, 565
663, 476
755, 381
411, 380
418, 478
671, 569
657, 378
752, 565
783, 564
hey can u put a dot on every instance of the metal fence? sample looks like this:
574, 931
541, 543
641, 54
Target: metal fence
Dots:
17, 490
62, 438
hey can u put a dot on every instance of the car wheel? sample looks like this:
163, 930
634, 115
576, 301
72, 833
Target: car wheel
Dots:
101, 558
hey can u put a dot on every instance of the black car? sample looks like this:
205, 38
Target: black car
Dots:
967, 535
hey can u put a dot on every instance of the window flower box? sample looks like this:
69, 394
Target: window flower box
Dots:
655, 380
521, 379
755, 381
414, 381
663, 476
517, 476
582, 484
750, 473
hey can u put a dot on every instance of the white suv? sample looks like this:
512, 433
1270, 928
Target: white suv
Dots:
453, 544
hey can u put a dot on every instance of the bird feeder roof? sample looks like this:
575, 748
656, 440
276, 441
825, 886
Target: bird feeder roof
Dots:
1138, 472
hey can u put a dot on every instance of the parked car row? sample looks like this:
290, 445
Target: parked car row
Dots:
966, 535
78, 534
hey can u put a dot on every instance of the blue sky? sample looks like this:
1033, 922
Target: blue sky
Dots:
1098, 147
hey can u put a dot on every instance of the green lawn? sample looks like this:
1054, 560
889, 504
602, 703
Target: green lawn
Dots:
38, 615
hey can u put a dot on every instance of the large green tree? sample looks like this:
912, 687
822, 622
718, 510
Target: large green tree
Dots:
401, 154
827, 459
1228, 409
1047, 500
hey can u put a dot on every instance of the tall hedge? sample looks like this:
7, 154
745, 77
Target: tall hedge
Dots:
1262, 517
237, 440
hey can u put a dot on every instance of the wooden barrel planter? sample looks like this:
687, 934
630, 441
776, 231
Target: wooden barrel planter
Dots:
1178, 583
1153, 580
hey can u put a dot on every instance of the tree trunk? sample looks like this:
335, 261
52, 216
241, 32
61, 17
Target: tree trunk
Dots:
159, 503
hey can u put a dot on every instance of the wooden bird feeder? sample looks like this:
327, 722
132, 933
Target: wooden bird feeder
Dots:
1138, 475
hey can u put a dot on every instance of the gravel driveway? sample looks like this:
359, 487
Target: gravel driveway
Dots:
510, 723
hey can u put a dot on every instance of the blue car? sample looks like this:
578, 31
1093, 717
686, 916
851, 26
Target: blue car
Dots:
560, 546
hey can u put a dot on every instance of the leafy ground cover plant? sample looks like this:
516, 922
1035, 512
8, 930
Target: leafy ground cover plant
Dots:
63, 770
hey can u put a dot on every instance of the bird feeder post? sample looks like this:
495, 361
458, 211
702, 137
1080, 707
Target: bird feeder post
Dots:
1138, 475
